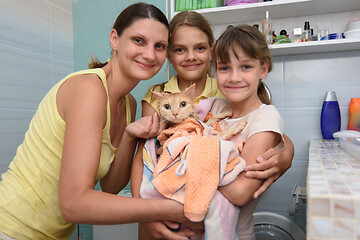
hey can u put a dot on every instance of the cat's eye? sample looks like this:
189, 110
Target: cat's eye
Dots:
167, 106
183, 104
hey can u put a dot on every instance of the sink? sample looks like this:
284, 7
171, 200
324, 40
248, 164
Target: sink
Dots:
351, 145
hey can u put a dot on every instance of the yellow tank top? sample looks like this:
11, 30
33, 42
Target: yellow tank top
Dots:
29, 205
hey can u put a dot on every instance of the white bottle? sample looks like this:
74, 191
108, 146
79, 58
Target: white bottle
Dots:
266, 28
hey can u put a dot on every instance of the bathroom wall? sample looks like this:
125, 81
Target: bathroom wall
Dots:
93, 21
36, 49
298, 84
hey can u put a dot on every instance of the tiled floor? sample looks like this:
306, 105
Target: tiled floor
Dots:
333, 192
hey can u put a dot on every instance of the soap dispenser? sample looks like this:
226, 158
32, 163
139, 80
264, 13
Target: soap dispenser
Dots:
330, 116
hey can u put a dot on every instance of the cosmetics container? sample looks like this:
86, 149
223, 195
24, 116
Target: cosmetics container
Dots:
330, 116
354, 114
297, 35
266, 28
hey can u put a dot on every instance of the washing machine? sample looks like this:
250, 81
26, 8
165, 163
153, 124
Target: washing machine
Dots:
273, 226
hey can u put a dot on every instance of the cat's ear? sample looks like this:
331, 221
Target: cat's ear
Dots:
158, 95
191, 90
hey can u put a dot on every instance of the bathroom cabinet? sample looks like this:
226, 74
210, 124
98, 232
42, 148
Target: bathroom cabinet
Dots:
285, 9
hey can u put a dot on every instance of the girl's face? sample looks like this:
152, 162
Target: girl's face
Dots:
190, 55
239, 78
141, 48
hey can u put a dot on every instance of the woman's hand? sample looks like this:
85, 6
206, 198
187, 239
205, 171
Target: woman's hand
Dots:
271, 165
146, 127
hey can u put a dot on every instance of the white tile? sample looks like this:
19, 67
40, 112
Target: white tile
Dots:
23, 85
343, 229
60, 69
307, 78
26, 24
344, 208
62, 42
320, 228
64, 4
8, 146
15, 121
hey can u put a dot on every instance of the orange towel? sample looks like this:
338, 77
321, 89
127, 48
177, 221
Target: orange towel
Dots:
208, 160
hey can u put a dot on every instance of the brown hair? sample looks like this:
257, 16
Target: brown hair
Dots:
192, 19
253, 42
185, 18
128, 16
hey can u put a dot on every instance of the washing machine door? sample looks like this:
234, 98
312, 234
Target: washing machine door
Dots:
272, 226
271, 232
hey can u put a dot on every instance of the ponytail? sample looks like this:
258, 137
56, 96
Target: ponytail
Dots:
263, 93
95, 63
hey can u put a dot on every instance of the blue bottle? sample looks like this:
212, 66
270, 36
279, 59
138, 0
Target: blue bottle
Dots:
330, 116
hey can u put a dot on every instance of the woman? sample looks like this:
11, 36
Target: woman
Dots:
82, 133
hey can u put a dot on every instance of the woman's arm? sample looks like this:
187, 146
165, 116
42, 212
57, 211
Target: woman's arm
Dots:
85, 116
119, 174
242, 190
271, 165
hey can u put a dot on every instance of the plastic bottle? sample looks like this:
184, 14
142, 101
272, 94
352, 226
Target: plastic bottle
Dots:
330, 116
266, 28
306, 33
354, 114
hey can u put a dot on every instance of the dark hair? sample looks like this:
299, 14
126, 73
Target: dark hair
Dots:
128, 16
252, 41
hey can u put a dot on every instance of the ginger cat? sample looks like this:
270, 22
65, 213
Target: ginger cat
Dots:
176, 107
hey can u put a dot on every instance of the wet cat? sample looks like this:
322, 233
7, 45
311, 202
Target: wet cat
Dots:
176, 107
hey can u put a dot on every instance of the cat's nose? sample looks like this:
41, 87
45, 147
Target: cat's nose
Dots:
175, 114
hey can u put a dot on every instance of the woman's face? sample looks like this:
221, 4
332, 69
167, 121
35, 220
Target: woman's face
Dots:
141, 48
190, 53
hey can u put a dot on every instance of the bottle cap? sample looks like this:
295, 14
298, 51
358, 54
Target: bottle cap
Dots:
330, 97
283, 32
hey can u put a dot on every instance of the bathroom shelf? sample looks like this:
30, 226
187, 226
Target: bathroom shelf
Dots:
278, 8
315, 47
284, 9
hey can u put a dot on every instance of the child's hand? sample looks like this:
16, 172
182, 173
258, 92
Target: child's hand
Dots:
146, 127
271, 165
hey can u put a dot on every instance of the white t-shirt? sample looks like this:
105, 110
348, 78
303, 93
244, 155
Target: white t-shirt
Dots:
265, 118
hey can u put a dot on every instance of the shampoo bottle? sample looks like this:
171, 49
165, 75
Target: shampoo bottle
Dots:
330, 116
354, 114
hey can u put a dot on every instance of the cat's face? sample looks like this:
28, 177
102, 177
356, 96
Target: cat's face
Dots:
176, 107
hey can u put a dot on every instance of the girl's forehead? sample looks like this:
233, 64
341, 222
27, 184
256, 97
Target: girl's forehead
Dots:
189, 34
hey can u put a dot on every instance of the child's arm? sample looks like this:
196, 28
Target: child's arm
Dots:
137, 170
242, 190
147, 109
271, 165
